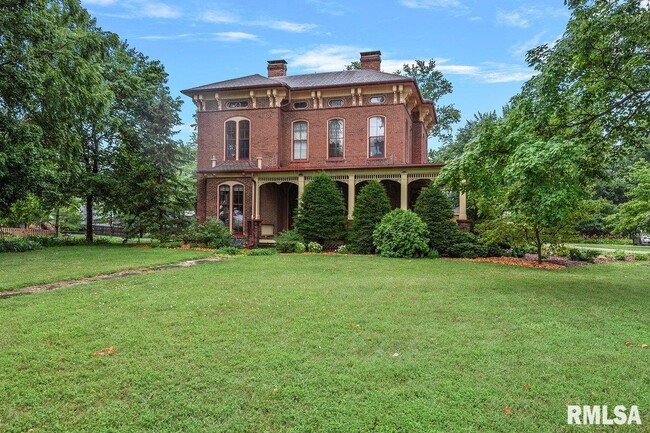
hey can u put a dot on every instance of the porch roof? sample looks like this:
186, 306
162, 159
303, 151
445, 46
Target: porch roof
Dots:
244, 169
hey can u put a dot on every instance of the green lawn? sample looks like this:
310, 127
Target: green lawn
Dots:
66, 263
606, 248
308, 343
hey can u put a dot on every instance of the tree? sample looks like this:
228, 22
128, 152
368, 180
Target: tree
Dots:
463, 137
434, 86
321, 214
435, 209
594, 82
532, 188
40, 60
633, 216
371, 205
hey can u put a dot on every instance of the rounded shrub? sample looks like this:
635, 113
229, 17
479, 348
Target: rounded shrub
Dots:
299, 248
371, 205
314, 247
212, 233
285, 242
401, 233
321, 216
437, 212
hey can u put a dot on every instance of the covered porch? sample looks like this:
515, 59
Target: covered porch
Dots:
277, 193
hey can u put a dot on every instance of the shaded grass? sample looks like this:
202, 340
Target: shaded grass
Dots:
307, 343
72, 262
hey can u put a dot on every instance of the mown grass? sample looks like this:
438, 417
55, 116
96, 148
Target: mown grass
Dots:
66, 263
308, 344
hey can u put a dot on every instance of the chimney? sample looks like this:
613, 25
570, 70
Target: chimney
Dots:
371, 60
277, 68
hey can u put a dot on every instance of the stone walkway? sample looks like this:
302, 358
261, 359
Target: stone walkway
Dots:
69, 283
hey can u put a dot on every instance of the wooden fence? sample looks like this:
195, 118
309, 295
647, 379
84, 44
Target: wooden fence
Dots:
11, 232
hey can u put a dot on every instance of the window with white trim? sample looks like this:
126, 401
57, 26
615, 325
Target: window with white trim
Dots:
376, 137
300, 140
335, 138
231, 207
237, 139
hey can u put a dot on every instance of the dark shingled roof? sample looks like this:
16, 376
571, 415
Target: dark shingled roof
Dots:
247, 82
341, 78
305, 81
232, 166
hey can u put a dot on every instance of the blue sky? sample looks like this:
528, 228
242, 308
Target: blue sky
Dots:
479, 45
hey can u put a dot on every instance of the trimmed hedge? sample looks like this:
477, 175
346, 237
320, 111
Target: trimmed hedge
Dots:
371, 205
401, 234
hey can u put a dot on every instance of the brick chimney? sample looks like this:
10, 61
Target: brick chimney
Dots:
277, 68
371, 60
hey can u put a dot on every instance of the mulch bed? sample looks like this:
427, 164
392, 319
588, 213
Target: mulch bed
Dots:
530, 261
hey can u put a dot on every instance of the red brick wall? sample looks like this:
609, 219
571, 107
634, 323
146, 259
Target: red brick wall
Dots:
271, 136
356, 136
264, 139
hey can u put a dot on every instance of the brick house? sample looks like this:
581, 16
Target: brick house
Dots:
261, 139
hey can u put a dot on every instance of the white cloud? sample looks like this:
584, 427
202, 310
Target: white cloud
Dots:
99, 2
220, 36
521, 48
158, 10
218, 17
327, 58
512, 19
234, 36
432, 4
286, 26
130, 9
522, 16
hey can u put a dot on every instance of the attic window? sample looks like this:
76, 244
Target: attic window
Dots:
377, 100
299, 105
335, 102
237, 104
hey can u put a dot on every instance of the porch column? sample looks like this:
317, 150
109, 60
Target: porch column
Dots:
462, 208
404, 188
301, 187
350, 196
258, 201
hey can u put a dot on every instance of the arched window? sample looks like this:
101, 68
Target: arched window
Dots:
231, 207
237, 139
300, 140
376, 137
335, 138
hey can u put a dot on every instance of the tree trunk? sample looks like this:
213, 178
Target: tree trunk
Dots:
57, 219
89, 219
538, 242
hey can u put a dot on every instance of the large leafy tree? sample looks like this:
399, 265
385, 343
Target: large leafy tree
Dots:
42, 54
633, 217
465, 134
594, 82
531, 187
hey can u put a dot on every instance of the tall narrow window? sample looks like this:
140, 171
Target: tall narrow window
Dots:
300, 140
231, 207
237, 139
335, 138
376, 137
224, 205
